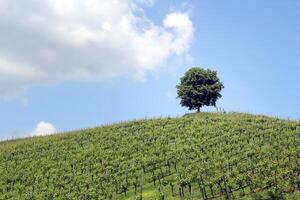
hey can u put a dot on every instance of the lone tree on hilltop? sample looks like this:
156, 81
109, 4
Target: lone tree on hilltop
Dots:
199, 87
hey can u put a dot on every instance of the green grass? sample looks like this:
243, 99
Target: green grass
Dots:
206, 155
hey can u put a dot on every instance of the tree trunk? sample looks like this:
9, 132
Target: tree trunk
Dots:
198, 109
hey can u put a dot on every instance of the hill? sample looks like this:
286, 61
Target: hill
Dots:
197, 156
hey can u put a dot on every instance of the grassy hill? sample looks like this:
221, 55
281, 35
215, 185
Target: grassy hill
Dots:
198, 156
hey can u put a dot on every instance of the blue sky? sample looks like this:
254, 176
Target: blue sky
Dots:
252, 44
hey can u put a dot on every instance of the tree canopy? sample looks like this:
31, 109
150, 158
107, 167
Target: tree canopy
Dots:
199, 87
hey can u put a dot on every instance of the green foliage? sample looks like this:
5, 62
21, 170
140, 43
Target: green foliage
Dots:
199, 87
269, 195
199, 156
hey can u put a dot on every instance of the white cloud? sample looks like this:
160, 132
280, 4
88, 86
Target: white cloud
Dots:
43, 128
49, 41
183, 28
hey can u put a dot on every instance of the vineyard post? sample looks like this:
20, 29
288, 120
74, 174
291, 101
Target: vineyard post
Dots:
142, 185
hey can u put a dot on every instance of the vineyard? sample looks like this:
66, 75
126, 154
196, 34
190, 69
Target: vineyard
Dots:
197, 156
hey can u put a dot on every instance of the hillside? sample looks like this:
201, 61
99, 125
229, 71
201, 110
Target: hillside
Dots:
198, 156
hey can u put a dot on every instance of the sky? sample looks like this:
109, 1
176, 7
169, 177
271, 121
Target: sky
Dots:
67, 65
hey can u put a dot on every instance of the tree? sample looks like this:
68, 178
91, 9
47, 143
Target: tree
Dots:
199, 87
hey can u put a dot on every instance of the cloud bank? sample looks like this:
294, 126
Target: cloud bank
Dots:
43, 128
50, 41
